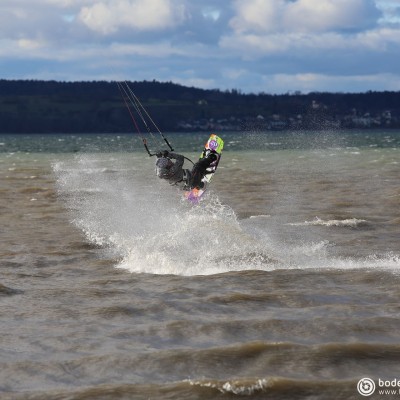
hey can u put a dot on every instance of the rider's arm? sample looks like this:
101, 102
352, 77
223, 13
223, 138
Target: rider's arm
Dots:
179, 159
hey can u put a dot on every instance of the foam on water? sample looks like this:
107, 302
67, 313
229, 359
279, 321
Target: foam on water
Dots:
241, 387
151, 228
349, 222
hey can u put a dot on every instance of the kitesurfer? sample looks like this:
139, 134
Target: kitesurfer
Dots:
174, 172
167, 169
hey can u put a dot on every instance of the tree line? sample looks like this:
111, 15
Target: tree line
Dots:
33, 106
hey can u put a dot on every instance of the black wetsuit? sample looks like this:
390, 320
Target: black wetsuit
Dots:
199, 170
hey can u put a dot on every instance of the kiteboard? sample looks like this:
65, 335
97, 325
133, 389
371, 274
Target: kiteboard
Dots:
215, 145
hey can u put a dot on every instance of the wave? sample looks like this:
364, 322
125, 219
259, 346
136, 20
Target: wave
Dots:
348, 223
241, 387
274, 388
7, 291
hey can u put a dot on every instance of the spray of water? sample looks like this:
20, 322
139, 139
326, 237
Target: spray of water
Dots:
119, 203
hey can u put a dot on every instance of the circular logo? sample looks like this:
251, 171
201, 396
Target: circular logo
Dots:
366, 386
213, 144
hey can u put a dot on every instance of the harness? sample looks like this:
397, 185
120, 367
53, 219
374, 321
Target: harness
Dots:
185, 178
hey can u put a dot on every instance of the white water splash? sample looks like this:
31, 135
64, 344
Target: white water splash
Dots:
349, 222
238, 387
148, 224
120, 204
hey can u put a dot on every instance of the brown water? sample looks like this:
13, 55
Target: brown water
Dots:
282, 284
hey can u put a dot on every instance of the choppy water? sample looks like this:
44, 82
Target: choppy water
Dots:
282, 284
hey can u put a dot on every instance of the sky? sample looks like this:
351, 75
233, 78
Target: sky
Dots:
254, 46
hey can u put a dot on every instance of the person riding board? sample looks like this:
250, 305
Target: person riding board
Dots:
174, 172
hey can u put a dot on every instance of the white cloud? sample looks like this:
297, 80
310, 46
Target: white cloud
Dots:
380, 40
157, 50
108, 17
302, 15
257, 15
253, 47
264, 28
195, 82
66, 3
28, 44
327, 15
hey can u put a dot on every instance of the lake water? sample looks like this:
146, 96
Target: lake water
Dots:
282, 284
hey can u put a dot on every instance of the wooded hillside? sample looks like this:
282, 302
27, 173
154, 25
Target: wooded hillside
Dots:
88, 107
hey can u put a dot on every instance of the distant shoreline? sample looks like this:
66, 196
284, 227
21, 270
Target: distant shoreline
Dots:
42, 107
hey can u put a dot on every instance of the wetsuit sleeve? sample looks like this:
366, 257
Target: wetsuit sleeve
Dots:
179, 160
176, 171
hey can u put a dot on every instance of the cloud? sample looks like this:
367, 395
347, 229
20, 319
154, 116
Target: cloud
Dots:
328, 15
390, 10
252, 45
28, 44
257, 15
66, 3
334, 83
308, 28
108, 17
303, 15
24, 20
310, 44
